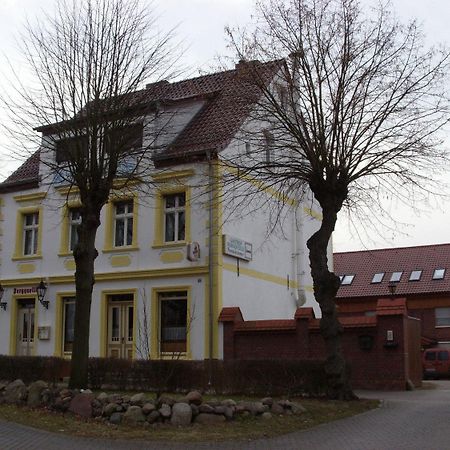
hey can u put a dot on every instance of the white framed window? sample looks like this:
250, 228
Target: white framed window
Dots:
30, 233
269, 144
123, 223
68, 324
74, 223
442, 317
175, 217
438, 274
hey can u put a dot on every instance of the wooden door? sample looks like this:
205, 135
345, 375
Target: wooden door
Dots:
120, 328
25, 327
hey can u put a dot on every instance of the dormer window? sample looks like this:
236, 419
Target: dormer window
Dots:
69, 149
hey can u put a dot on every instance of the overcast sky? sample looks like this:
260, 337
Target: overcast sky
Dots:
200, 25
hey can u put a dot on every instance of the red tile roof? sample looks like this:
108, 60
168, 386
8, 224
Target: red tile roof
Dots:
228, 97
364, 264
27, 173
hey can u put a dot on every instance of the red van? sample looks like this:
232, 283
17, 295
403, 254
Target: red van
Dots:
436, 363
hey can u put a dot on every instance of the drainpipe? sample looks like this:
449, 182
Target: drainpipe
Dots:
210, 255
298, 256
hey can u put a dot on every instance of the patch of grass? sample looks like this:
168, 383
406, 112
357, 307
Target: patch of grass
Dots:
243, 428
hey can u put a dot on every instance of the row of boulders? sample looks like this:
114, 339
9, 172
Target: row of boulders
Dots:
140, 408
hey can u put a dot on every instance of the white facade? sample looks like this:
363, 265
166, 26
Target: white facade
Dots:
145, 276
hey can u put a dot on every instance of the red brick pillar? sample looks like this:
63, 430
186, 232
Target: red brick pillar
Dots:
229, 316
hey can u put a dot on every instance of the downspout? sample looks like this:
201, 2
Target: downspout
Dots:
210, 255
298, 256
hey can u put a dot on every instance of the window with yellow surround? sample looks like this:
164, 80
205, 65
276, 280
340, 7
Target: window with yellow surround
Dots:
121, 224
172, 219
28, 233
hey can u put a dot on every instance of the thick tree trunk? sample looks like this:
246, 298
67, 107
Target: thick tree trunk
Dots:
85, 254
326, 285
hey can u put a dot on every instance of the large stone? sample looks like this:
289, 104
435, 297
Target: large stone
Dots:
297, 409
277, 409
167, 400
15, 392
134, 415
34, 393
267, 401
81, 405
165, 410
205, 408
153, 417
266, 415
138, 399
102, 397
109, 409
209, 418
116, 418
148, 408
181, 414
228, 402
194, 397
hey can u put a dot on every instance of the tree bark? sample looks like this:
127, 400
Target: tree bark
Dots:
85, 254
326, 285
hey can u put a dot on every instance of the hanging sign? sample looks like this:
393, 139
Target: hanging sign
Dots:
237, 247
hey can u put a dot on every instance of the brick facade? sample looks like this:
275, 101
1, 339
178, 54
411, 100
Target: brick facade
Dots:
377, 363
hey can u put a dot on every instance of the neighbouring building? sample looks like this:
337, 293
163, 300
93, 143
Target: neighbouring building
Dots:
170, 259
418, 274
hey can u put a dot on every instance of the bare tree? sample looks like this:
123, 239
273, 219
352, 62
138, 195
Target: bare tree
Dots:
354, 116
87, 62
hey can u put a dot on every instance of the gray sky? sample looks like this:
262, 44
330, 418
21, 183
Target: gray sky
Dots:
200, 26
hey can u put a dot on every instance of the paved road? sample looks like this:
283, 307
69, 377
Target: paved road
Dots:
418, 420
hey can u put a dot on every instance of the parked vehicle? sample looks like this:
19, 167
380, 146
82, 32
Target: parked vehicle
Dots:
436, 363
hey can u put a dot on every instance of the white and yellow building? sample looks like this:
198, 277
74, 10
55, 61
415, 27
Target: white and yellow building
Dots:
171, 256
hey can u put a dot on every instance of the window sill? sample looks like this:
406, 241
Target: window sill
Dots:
65, 254
176, 244
26, 257
442, 326
131, 248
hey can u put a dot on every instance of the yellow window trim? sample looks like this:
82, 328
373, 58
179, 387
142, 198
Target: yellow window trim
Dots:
59, 314
30, 197
159, 216
155, 323
13, 322
170, 176
109, 222
125, 248
18, 250
118, 183
65, 230
104, 317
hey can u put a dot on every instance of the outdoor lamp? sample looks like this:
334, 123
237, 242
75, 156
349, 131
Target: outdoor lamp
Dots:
2, 304
41, 290
392, 288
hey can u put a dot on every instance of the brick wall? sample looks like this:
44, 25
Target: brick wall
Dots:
377, 363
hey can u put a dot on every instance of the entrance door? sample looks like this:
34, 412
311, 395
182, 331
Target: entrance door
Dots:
25, 327
120, 326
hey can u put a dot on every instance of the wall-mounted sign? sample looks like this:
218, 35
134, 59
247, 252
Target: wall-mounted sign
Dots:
28, 290
237, 247
43, 333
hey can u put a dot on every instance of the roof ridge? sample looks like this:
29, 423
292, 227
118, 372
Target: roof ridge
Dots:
392, 248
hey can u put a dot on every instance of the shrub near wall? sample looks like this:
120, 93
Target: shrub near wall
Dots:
258, 377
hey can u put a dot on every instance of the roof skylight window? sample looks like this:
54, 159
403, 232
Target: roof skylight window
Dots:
347, 279
378, 277
415, 275
438, 274
395, 277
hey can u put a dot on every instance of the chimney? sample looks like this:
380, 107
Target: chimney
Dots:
158, 84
